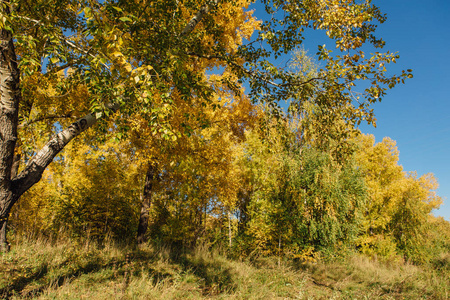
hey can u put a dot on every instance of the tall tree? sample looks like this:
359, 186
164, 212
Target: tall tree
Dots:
108, 52
132, 55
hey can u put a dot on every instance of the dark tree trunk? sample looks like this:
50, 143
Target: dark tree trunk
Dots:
244, 197
7, 201
150, 176
4, 245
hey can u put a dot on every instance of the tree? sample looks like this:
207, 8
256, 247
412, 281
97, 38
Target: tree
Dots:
398, 210
302, 197
384, 178
131, 55
194, 172
95, 56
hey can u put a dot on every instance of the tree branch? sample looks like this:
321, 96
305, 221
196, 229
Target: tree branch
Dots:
204, 10
36, 166
255, 74
43, 118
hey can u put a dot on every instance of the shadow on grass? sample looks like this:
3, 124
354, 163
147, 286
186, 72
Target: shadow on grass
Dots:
33, 281
214, 277
21, 282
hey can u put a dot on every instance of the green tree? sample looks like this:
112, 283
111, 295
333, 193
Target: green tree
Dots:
302, 197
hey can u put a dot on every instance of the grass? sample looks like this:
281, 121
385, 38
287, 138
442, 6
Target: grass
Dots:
70, 270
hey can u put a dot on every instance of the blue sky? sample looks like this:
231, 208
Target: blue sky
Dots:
416, 114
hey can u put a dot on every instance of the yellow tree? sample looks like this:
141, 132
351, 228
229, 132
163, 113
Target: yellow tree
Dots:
93, 189
129, 53
384, 178
410, 224
195, 172
399, 203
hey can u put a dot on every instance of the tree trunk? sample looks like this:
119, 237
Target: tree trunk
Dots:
146, 202
279, 250
229, 230
4, 245
9, 108
12, 189
244, 196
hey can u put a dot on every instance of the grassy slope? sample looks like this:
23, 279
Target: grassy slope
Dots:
72, 271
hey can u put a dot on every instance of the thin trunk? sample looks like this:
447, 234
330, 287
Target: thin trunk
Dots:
229, 229
146, 202
244, 217
279, 250
205, 216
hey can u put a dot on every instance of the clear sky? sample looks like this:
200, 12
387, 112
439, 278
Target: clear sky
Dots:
416, 114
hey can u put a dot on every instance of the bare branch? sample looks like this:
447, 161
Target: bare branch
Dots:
36, 22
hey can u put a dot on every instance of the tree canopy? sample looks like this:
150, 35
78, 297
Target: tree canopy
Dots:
188, 139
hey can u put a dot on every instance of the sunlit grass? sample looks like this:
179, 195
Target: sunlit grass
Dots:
82, 270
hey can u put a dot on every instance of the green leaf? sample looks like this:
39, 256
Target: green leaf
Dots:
125, 19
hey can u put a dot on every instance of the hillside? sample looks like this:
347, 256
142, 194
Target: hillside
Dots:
69, 270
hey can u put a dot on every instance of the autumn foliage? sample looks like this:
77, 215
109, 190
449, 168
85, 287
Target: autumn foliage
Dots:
194, 134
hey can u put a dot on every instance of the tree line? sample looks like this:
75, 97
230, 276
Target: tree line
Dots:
169, 116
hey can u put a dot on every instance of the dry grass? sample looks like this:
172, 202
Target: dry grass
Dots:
359, 277
69, 270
